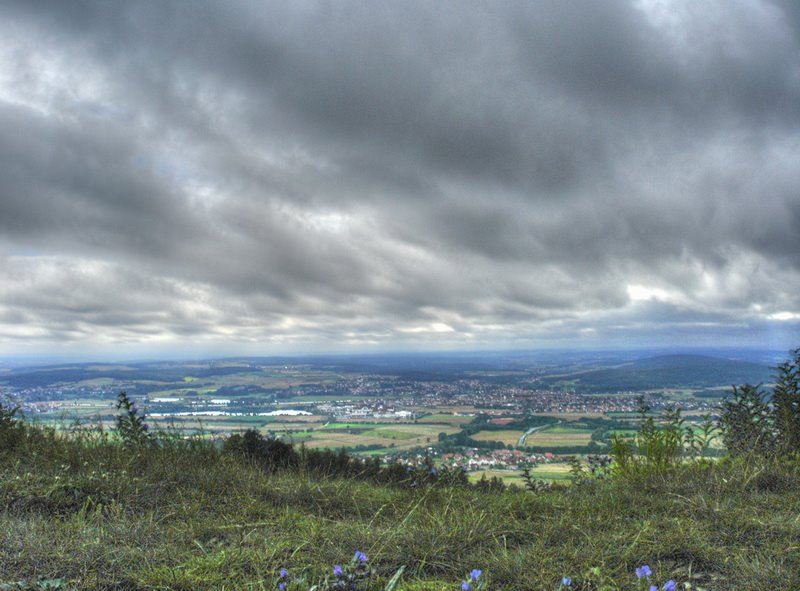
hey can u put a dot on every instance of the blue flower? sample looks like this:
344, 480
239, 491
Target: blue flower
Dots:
360, 556
282, 586
643, 571
653, 588
283, 573
566, 581
475, 574
337, 570
465, 586
670, 586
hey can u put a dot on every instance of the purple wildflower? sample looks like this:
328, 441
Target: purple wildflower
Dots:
337, 570
670, 586
475, 574
282, 586
643, 571
465, 586
360, 556
283, 573
566, 581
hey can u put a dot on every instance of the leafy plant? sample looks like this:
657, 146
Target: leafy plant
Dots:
11, 428
655, 450
786, 405
700, 441
745, 422
8, 416
131, 425
532, 483
765, 423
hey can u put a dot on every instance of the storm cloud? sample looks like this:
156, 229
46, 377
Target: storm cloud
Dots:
250, 176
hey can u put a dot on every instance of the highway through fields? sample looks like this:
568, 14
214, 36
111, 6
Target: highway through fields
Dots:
524, 436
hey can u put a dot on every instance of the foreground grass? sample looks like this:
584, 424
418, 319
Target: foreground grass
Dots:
187, 518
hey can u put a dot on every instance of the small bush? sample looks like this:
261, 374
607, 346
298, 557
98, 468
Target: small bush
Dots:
268, 453
745, 422
12, 430
131, 426
765, 423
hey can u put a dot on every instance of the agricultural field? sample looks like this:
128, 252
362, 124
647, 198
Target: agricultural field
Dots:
465, 412
390, 435
571, 416
446, 418
554, 472
509, 437
559, 437
507, 476
374, 405
551, 472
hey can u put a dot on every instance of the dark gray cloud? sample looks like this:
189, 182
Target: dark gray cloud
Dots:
316, 175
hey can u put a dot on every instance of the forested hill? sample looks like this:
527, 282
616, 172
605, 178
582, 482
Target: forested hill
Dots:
669, 371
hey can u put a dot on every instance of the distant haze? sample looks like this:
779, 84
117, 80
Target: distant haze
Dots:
265, 177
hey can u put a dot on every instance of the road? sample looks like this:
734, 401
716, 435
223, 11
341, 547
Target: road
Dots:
524, 436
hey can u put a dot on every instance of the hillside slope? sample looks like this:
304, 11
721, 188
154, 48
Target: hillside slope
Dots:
185, 517
669, 371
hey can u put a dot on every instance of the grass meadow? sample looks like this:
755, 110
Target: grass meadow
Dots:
83, 509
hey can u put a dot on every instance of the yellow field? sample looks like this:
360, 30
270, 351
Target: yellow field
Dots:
297, 419
337, 440
463, 410
543, 472
571, 416
547, 439
508, 476
446, 418
509, 437
282, 427
551, 471
398, 436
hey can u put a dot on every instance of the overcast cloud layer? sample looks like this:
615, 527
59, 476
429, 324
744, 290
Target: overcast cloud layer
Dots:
290, 176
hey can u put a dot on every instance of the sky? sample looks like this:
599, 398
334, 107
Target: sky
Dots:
249, 177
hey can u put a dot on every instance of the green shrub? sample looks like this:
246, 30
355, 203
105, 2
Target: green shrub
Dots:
268, 453
131, 426
755, 421
786, 406
745, 422
12, 430
656, 450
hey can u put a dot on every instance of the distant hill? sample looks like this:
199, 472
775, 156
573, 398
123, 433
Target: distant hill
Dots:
668, 371
38, 377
